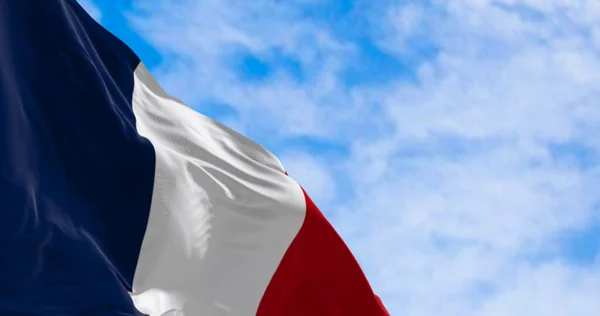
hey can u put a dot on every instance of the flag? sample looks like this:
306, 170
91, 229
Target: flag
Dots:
118, 199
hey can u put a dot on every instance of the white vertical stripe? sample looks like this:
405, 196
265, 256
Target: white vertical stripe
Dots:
223, 212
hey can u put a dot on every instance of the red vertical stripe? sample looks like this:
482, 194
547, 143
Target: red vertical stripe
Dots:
319, 276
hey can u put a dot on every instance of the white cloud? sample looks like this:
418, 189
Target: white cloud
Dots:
312, 174
209, 32
458, 197
91, 9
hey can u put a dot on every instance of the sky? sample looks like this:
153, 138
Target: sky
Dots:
454, 145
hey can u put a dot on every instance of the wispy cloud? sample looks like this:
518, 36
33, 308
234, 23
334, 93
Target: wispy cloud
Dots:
455, 146
91, 9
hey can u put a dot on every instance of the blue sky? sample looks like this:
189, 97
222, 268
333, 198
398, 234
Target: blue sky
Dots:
454, 146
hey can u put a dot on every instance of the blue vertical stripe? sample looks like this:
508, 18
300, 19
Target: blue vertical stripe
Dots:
75, 177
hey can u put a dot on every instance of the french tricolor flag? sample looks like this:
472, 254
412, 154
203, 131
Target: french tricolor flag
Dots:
118, 199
